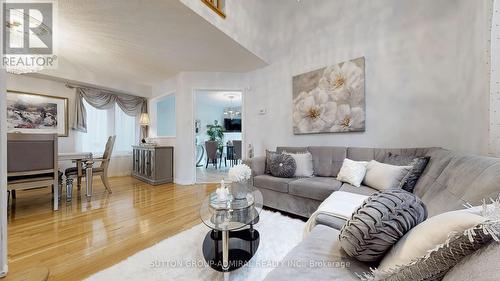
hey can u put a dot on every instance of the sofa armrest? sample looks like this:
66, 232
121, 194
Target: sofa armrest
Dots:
257, 164
331, 221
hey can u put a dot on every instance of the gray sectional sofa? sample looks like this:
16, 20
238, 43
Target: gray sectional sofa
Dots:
450, 180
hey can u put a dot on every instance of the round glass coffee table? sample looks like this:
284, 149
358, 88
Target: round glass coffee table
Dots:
232, 240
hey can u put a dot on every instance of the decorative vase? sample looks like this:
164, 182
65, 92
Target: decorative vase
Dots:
239, 190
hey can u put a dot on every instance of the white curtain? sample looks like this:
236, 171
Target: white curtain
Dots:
125, 131
103, 123
94, 140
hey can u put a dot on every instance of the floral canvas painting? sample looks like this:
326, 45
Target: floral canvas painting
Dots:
330, 99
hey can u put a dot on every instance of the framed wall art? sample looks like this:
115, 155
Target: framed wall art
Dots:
330, 99
36, 113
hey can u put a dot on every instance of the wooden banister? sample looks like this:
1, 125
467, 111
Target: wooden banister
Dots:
216, 6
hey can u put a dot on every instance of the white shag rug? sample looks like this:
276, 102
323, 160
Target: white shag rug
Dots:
180, 257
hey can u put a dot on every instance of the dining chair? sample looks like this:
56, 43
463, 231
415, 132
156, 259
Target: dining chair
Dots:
212, 153
32, 162
101, 171
237, 151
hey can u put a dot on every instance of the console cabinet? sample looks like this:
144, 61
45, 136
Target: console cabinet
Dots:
153, 164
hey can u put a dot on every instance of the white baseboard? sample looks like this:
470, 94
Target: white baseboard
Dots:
4, 270
183, 181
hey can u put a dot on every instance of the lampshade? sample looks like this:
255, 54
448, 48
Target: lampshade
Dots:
144, 121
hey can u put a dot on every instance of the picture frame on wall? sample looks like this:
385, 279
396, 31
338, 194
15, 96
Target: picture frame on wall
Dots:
330, 99
36, 113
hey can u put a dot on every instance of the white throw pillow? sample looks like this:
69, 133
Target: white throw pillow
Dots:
384, 176
427, 235
304, 162
352, 172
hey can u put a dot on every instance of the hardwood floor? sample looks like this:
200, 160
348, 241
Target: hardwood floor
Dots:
85, 237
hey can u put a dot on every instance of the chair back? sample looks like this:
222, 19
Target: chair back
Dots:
106, 156
237, 149
211, 147
31, 154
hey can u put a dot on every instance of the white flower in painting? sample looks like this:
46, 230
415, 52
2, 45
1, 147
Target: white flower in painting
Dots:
313, 111
343, 83
349, 119
239, 173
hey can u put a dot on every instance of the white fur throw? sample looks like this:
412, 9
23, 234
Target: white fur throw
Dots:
339, 204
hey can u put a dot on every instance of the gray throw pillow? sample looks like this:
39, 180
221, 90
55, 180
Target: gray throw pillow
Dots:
283, 166
269, 157
482, 265
418, 163
379, 222
436, 264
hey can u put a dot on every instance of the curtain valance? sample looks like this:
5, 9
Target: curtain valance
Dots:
103, 99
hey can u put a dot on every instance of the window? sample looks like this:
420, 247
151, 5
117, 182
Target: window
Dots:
165, 117
125, 131
218, 6
102, 123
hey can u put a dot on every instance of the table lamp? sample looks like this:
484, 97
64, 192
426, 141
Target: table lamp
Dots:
144, 122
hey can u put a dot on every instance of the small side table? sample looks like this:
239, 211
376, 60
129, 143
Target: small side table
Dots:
232, 240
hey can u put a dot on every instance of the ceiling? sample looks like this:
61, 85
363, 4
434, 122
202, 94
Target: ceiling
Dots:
218, 98
144, 41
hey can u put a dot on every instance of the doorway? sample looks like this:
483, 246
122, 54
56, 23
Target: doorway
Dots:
218, 133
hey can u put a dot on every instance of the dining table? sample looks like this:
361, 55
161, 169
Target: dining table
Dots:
83, 160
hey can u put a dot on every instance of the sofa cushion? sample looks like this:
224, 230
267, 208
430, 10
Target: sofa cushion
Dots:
319, 257
361, 153
352, 172
270, 155
283, 166
327, 160
482, 265
380, 222
418, 166
363, 189
304, 164
384, 176
273, 183
317, 188
291, 149
439, 260
464, 179
380, 154
427, 235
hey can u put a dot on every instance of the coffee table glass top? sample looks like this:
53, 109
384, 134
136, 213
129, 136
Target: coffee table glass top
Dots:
232, 214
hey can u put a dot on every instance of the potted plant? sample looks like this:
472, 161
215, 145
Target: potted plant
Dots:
215, 132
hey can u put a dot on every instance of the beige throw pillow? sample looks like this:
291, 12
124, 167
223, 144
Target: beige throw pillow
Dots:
425, 236
304, 163
384, 176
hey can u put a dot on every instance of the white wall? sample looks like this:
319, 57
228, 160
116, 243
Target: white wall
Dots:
120, 165
3, 175
426, 73
494, 145
256, 24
